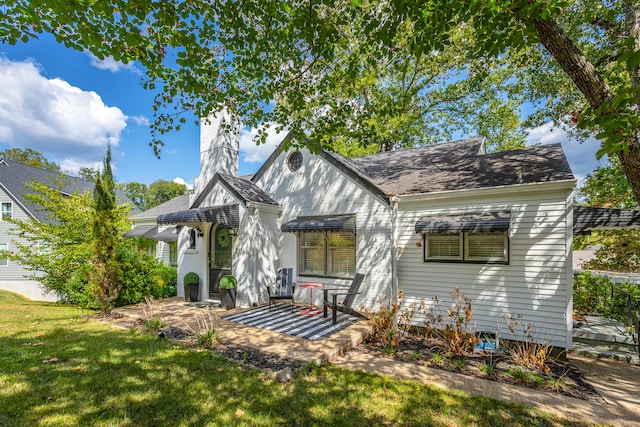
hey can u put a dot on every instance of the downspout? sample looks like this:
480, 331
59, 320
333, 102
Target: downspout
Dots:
254, 273
394, 248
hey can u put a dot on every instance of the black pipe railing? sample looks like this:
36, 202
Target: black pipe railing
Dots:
598, 296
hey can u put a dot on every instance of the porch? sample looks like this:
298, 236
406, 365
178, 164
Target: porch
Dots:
329, 341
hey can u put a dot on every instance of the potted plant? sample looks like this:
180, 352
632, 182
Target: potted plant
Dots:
191, 287
228, 285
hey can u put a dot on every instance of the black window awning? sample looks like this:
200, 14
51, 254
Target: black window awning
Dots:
321, 223
141, 231
225, 214
588, 218
166, 235
470, 222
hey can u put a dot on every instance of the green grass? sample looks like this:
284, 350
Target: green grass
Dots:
105, 376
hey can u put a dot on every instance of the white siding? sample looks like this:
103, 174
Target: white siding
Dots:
319, 188
536, 284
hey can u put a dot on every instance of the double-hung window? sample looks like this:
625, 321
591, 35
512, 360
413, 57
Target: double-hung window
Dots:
488, 247
473, 237
327, 253
7, 211
326, 244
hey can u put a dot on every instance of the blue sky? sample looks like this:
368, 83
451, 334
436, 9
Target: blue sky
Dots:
69, 106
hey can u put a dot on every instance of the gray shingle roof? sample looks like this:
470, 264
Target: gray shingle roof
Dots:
180, 203
247, 190
460, 165
588, 218
15, 176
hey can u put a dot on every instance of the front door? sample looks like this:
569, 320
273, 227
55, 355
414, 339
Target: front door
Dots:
220, 245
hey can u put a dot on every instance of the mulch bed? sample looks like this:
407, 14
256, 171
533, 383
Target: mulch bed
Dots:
562, 377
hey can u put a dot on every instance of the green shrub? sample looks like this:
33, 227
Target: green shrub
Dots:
143, 276
191, 278
592, 295
228, 282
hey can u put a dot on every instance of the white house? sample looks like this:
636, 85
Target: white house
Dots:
422, 221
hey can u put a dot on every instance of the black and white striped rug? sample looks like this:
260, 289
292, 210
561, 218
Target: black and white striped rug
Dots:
281, 319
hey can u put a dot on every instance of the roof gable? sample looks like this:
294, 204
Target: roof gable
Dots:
245, 190
15, 178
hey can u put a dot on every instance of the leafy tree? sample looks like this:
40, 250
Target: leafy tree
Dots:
29, 157
136, 192
57, 249
273, 61
161, 191
89, 174
607, 186
62, 253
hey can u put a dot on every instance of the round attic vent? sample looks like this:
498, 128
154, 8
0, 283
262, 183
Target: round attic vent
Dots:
294, 161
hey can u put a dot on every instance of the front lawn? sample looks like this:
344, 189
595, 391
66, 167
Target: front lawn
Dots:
58, 367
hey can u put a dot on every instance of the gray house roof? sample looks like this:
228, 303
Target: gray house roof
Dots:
15, 177
461, 165
246, 190
589, 218
454, 165
176, 204
243, 189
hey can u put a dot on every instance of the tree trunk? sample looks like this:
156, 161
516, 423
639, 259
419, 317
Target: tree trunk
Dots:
573, 62
590, 82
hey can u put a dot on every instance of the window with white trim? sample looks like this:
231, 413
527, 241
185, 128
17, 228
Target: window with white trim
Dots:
327, 253
3, 256
7, 211
481, 247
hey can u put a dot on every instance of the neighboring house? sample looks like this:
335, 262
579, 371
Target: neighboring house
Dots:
423, 221
163, 239
14, 180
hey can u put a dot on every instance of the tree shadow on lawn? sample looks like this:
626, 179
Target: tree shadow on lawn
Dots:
89, 374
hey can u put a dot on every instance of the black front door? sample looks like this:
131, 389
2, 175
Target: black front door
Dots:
220, 245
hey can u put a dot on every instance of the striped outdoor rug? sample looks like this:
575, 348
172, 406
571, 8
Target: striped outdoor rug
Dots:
281, 319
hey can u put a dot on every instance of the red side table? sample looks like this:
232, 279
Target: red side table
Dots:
311, 285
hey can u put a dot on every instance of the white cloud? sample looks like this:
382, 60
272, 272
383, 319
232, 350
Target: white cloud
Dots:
139, 120
73, 165
253, 153
111, 64
53, 117
581, 155
179, 180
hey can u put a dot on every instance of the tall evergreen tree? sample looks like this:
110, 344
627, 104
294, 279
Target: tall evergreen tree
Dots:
105, 270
